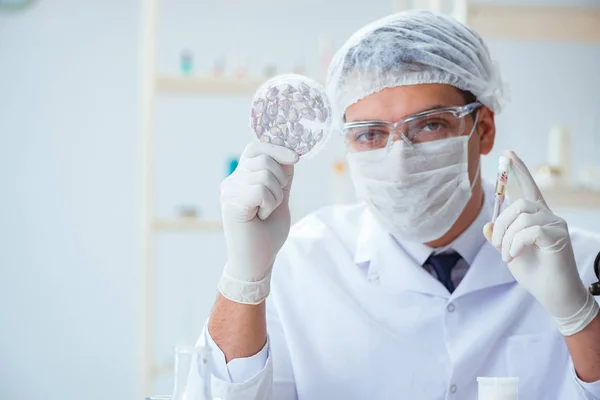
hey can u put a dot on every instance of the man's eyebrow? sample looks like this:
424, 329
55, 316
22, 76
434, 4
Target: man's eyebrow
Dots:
424, 109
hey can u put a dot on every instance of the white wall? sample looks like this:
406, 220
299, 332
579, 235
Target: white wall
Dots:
69, 197
70, 169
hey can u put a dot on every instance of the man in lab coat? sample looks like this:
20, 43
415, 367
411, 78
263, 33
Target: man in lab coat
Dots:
403, 296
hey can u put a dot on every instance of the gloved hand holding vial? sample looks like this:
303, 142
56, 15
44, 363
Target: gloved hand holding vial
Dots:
536, 245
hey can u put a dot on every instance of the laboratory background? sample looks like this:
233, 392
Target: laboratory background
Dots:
119, 119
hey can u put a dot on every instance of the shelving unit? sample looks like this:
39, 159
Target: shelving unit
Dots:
152, 86
187, 224
573, 198
555, 23
491, 21
525, 22
182, 85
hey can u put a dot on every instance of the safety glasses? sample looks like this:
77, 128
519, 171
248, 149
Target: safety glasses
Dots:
426, 126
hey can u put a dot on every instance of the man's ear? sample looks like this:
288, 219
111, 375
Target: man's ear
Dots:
486, 127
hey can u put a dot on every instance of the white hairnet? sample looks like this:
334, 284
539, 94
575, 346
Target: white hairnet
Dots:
412, 47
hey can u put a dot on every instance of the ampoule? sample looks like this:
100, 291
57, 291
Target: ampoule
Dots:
501, 183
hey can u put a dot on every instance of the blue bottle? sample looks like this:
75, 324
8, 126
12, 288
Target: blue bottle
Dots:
233, 163
186, 63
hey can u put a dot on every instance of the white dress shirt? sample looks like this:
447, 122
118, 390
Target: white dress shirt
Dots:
355, 314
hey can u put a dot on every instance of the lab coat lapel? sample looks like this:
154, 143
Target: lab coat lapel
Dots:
487, 270
396, 269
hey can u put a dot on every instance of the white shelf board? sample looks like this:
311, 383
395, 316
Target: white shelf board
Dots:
187, 224
572, 198
552, 23
207, 85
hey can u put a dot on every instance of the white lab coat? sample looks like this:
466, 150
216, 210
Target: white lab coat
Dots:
340, 330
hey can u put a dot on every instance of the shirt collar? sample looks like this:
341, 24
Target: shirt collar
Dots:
470, 241
467, 244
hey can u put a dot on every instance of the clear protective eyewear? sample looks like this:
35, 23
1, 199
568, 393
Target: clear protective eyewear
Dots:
426, 126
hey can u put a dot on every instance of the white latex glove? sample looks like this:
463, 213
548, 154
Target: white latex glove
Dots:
537, 247
256, 219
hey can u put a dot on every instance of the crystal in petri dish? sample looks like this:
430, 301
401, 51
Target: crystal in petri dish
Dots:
293, 111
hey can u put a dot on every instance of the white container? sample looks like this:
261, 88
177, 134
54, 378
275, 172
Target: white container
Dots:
559, 153
498, 388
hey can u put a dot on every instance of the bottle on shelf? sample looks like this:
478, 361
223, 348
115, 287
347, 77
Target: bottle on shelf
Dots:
232, 164
559, 153
241, 68
186, 63
556, 171
192, 379
219, 67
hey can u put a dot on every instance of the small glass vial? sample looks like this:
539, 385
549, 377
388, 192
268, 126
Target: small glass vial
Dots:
192, 375
186, 63
501, 183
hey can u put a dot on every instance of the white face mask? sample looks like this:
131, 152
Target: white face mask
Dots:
416, 192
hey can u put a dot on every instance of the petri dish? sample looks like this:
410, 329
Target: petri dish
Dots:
293, 111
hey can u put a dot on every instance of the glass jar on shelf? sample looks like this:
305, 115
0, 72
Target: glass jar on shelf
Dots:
191, 375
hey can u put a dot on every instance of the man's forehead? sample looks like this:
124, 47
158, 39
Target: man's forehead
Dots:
394, 104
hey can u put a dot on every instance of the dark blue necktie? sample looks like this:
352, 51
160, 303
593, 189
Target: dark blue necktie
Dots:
442, 265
